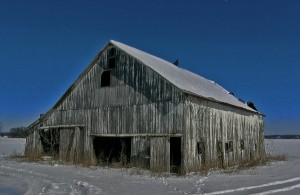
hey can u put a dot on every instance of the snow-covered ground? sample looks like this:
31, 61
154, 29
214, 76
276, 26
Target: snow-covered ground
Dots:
12, 146
19, 177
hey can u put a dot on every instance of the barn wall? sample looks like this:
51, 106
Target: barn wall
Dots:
33, 147
138, 101
210, 122
159, 154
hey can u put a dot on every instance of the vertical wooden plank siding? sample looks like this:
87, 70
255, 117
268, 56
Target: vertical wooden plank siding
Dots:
213, 123
159, 154
65, 143
71, 145
33, 147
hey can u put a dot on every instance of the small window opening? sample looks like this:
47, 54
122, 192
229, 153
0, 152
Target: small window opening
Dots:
242, 144
226, 147
105, 79
229, 146
112, 62
112, 52
200, 148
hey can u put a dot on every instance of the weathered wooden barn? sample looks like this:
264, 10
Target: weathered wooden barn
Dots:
132, 107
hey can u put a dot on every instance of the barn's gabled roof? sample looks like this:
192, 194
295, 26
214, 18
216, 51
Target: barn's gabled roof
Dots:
185, 80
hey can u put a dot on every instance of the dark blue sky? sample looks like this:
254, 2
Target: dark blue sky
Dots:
250, 47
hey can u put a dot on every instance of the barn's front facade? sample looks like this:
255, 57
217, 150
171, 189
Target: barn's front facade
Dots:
131, 107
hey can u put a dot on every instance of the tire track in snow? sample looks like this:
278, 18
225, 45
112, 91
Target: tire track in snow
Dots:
262, 186
279, 190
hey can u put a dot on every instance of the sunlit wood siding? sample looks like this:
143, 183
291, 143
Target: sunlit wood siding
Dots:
210, 122
33, 147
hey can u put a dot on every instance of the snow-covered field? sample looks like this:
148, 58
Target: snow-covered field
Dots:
12, 146
19, 177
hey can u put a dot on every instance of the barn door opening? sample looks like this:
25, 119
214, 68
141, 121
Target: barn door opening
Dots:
112, 150
50, 141
175, 154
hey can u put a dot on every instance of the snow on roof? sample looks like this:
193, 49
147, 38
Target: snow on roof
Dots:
185, 80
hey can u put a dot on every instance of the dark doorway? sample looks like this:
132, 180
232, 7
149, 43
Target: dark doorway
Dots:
110, 150
175, 154
50, 141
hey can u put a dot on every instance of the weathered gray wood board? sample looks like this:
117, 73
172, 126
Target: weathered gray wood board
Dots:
33, 148
159, 154
71, 145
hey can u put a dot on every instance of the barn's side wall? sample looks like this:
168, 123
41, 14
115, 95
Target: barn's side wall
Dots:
138, 101
210, 122
33, 147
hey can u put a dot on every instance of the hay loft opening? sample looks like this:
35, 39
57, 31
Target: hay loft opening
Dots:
112, 63
105, 79
112, 58
110, 150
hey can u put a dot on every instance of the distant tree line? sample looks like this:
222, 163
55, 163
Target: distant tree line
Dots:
16, 132
282, 136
